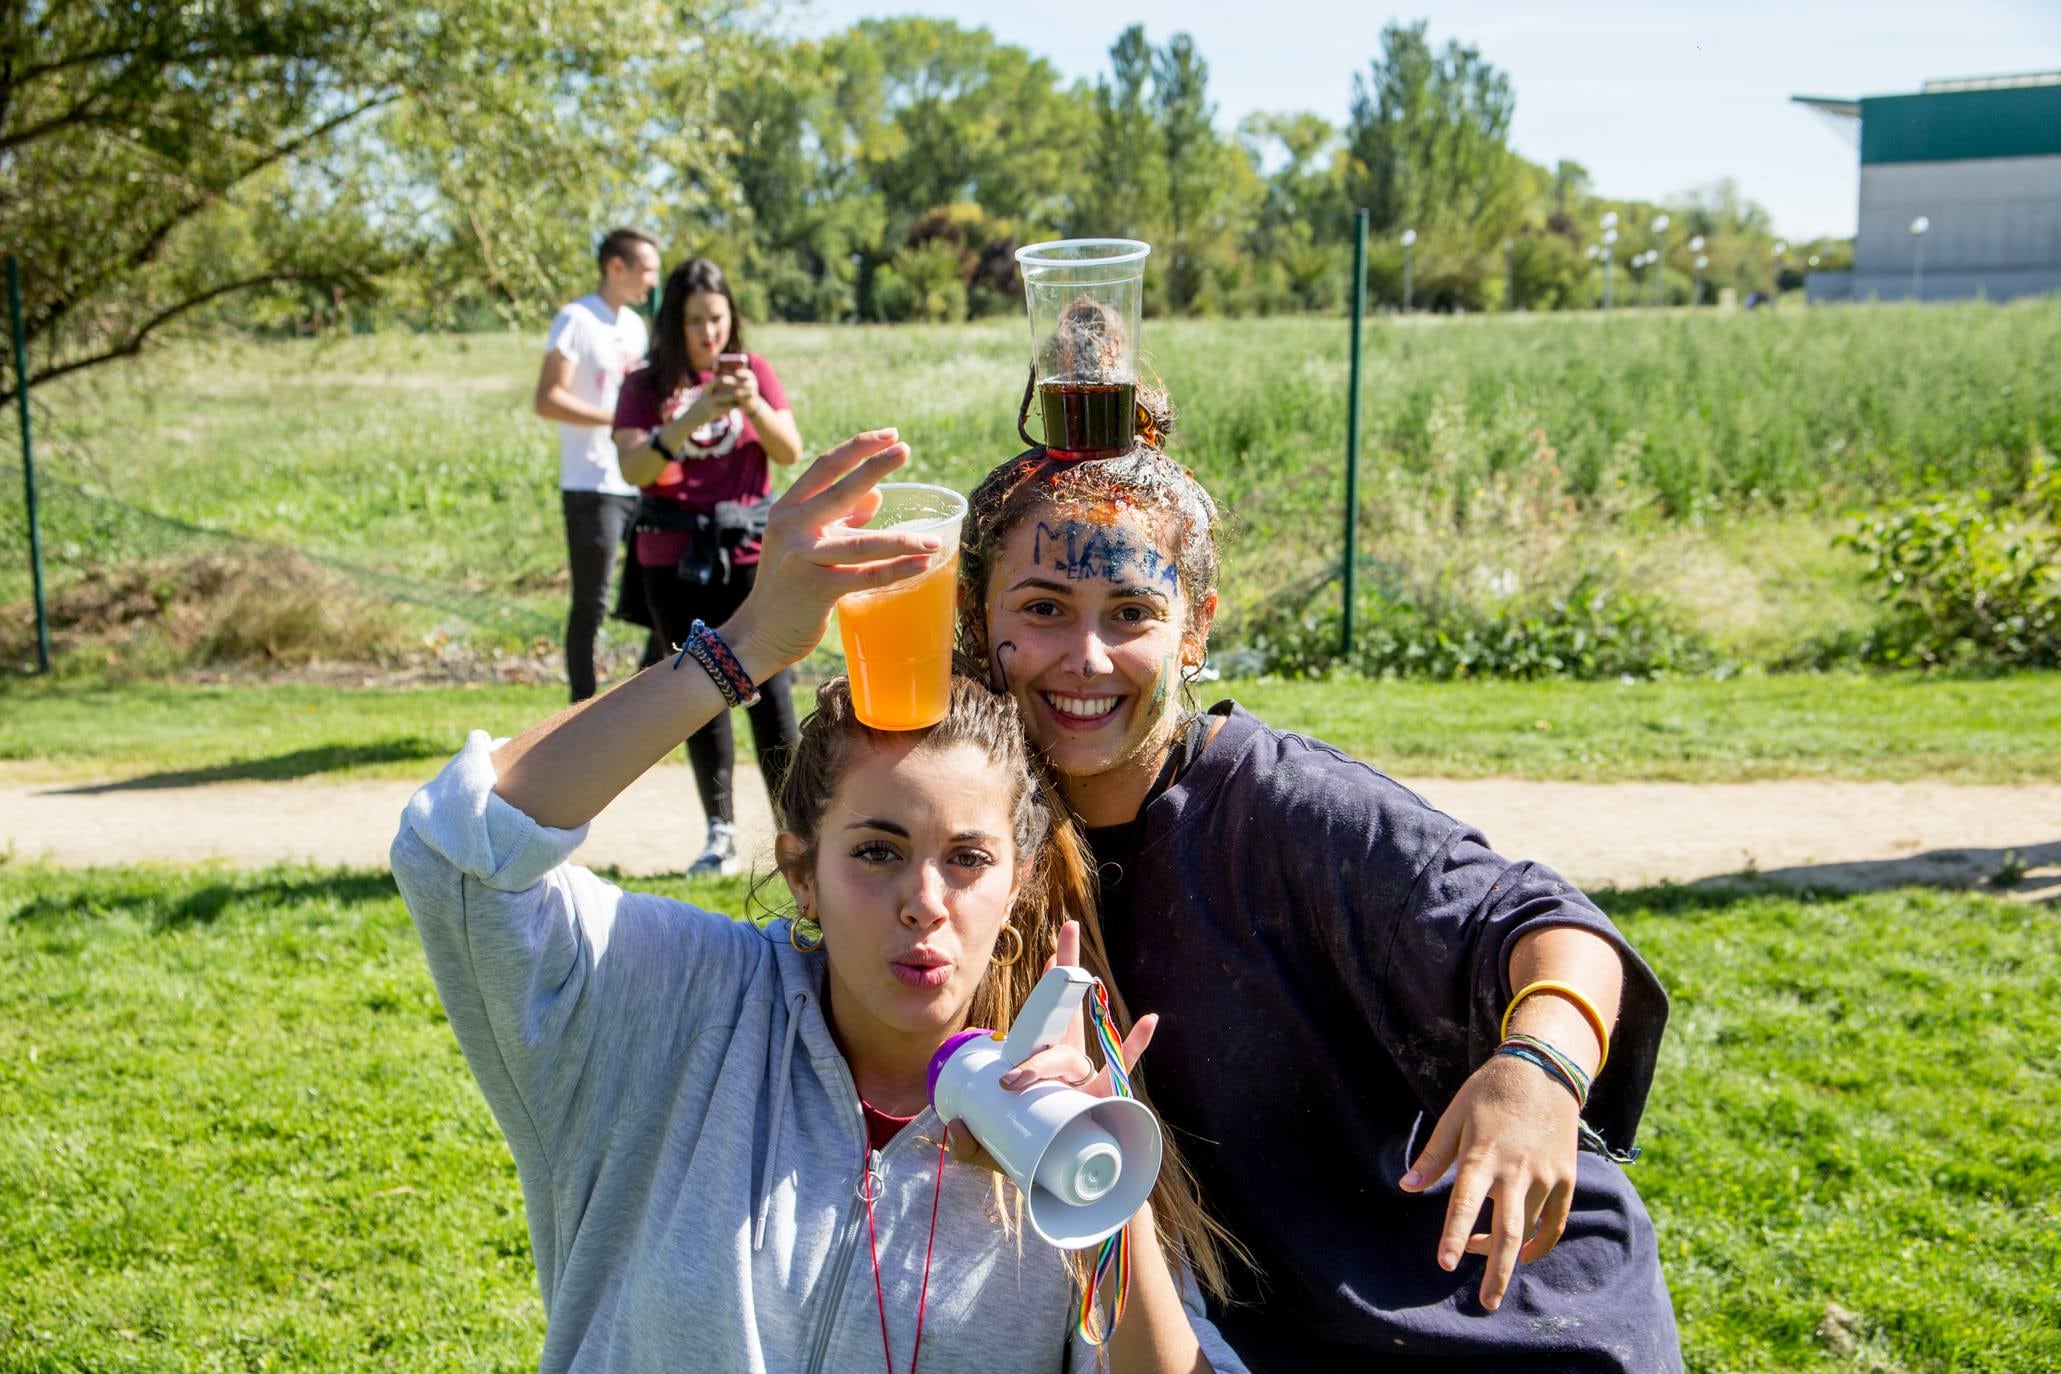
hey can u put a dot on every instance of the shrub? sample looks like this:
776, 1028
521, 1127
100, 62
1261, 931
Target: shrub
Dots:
213, 610
1591, 629
1970, 581
923, 284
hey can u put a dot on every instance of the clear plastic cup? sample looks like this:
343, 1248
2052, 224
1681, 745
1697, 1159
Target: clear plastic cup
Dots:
1085, 298
898, 640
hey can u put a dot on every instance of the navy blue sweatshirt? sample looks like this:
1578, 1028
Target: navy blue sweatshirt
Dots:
1331, 954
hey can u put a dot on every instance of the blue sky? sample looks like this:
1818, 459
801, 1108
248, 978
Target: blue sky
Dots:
1652, 98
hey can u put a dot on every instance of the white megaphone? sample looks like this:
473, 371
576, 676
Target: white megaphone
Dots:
1084, 1164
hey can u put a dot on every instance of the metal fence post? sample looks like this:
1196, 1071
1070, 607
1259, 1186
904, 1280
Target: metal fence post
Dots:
28, 461
1352, 430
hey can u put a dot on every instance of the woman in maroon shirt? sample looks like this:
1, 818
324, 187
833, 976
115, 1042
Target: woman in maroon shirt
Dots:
699, 430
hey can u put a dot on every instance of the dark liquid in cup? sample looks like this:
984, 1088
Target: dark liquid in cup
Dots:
1089, 417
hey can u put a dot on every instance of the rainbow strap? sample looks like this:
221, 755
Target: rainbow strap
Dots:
1116, 1251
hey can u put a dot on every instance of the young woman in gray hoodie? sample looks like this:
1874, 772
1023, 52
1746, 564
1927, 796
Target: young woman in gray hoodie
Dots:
722, 1133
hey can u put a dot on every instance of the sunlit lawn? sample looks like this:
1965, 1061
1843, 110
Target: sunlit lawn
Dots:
1976, 730
239, 1135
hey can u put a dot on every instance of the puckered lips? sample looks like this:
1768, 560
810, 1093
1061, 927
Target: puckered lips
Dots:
1081, 710
921, 968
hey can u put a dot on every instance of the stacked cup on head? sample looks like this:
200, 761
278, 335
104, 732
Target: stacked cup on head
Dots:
1085, 298
1085, 1164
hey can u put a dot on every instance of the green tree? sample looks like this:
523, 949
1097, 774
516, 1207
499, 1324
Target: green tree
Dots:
1296, 240
938, 116
125, 129
1428, 142
1570, 185
1124, 194
1194, 159
161, 160
803, 207
941, 114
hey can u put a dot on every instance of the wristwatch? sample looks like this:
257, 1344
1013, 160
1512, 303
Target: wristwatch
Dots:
660, 445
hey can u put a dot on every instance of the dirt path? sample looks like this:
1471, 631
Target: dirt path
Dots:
1828, 834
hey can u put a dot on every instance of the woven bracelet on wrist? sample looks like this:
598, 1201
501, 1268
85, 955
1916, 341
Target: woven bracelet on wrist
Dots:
1554, 1064
708, 649
1568, 1074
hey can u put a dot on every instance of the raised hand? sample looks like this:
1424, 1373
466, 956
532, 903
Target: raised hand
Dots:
816, 552
563, 771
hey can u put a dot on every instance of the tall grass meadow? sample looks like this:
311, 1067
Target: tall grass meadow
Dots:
1706, 462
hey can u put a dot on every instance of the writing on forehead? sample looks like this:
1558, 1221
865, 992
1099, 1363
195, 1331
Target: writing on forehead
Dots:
1079, 550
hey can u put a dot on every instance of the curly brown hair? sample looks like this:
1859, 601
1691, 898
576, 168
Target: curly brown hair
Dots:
1035, 484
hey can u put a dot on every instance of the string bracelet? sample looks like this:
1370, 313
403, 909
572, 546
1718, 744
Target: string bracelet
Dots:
1581, 1003
1562, 1069
1115, 1255
1556, 1065
707, 648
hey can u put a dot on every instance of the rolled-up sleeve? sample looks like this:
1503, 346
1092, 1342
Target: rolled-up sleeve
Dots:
1421, 916
1471, 899
565, 992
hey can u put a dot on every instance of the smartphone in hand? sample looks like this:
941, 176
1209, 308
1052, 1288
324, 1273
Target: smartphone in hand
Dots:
732, 362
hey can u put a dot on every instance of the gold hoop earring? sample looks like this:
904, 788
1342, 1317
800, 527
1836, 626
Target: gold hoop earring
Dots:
794, 928
1016, 950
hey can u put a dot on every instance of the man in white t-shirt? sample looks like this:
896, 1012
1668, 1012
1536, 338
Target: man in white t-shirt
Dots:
594, 342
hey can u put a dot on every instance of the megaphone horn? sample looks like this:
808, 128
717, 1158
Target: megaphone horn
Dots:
1084, 1164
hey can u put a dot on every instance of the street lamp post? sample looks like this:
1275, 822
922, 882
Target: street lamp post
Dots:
1409, 242
1609, 254
1660, 223
1918, 228
1696, 247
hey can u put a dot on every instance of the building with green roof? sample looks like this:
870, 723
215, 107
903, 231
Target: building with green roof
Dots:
1960, 190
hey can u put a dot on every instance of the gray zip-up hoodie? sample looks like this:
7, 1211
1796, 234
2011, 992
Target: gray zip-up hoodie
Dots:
692, 1155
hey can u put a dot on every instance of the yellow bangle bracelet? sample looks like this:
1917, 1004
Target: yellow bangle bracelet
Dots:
1581, 1003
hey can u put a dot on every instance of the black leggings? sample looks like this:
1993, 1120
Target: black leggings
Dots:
676, 605
594, 525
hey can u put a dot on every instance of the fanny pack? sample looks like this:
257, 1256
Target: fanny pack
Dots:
714, 535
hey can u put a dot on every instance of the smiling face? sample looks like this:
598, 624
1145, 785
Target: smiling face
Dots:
1089, 628
915, 874
706, 321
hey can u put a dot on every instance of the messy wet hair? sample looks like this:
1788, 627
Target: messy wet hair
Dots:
1036, 484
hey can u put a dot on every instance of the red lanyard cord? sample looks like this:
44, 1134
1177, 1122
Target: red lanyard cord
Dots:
930, 1246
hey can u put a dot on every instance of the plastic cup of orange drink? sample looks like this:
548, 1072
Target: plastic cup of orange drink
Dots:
898, 640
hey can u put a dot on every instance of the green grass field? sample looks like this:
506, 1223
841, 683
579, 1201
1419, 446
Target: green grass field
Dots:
1834, 725
239, 1135
1711, 457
